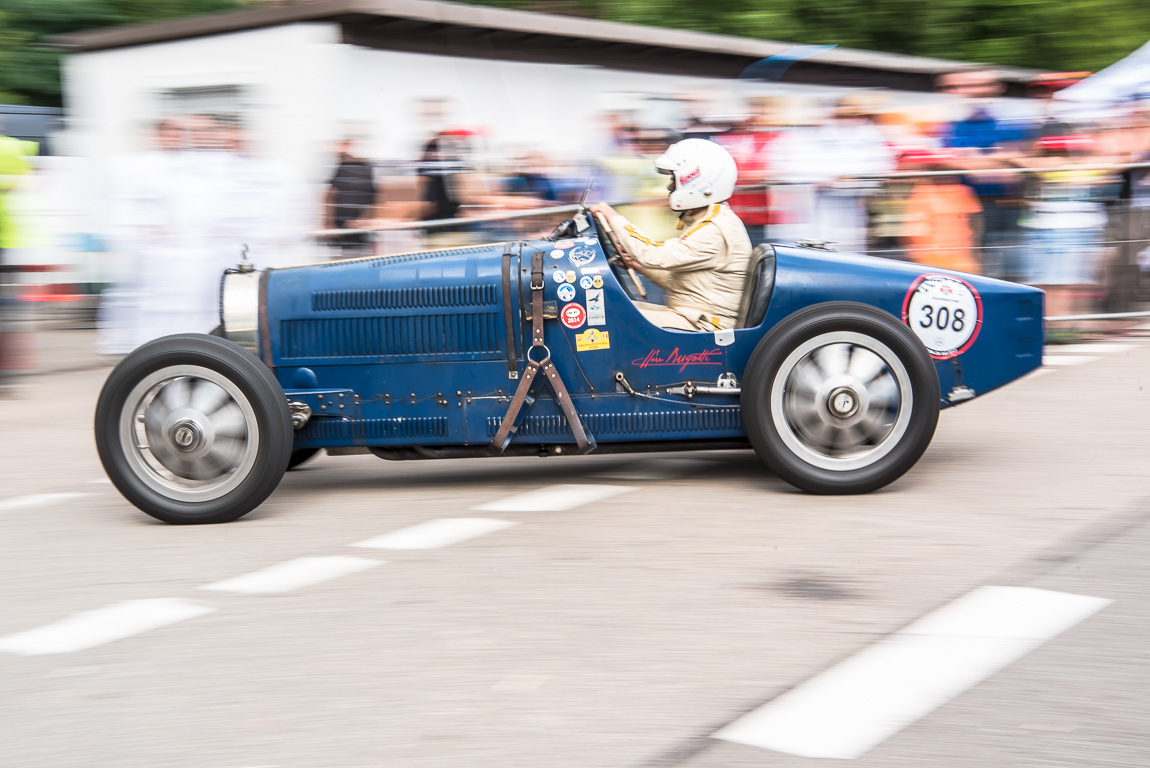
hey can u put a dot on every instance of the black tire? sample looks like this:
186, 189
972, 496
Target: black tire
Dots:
301, 456
831, 424
193, 429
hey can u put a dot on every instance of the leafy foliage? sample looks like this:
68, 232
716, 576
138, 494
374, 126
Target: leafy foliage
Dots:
1064, 35
1059, 36
30, 74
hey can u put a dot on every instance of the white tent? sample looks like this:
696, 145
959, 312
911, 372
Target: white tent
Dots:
1105, 93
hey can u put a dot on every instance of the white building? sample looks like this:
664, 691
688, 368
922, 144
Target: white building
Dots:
298, 75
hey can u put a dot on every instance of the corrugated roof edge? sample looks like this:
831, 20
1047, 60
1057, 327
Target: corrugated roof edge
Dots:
484, 17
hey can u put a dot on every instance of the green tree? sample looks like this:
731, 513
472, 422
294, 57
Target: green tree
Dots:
1066, 35
30, 73
1060, 36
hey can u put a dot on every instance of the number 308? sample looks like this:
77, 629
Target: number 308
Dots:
942, 317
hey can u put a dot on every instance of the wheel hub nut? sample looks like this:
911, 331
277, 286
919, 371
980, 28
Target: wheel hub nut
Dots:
843, 403
186, 436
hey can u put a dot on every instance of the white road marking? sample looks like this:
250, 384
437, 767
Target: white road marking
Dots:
293, 574
92, 628
37, 500
554, 498
435, 533
855, 705
1067, 359
1096, 348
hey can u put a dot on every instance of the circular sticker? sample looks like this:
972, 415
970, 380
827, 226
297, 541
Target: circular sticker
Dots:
945, 313
573, 315
559, 276
556, 254
570, 276
597, 281
585, 282
566, 292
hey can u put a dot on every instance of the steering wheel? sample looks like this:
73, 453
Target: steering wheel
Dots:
567, 227
615, 260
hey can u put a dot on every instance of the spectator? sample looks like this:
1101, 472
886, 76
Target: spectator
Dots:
985, 140
941, 216
350, 199
826, 160
749, 143
1065, 219
531, 180
180, 214
442, 170
14, 164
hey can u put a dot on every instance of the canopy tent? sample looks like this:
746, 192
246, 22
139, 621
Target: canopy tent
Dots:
1105, 93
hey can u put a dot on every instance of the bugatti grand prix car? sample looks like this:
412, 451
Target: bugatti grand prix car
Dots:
835, 374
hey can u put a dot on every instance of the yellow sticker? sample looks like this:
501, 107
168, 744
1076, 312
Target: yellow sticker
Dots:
592, 338
597, 281
570, 275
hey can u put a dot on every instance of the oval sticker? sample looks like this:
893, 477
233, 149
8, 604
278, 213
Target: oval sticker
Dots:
944, 312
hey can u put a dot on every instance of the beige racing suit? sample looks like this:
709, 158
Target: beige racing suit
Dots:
703, 270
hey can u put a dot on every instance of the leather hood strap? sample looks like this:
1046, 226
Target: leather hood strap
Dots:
524, 398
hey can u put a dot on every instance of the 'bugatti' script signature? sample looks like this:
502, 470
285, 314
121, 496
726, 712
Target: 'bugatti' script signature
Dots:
675, 357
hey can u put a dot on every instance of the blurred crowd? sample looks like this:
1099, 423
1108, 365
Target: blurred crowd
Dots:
963, 180
181, 213
973, 183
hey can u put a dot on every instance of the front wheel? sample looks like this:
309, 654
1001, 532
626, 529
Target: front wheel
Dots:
193, 429
840, 398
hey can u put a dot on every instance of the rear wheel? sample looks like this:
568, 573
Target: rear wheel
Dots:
193, 429
840, 398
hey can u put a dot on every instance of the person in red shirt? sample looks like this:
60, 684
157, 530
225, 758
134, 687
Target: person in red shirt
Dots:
748, 144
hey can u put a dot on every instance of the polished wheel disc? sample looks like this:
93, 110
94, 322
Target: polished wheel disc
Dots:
841, 401
189, 433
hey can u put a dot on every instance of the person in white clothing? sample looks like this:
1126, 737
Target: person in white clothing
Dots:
818, 163
180, 215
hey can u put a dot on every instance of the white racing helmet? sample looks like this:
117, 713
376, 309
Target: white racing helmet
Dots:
703, 173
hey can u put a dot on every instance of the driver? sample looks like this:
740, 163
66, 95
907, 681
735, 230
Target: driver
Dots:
704, 269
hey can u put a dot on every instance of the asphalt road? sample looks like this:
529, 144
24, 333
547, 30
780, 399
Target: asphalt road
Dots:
622, 632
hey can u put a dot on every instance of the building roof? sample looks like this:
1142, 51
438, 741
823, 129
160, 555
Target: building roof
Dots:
457, 29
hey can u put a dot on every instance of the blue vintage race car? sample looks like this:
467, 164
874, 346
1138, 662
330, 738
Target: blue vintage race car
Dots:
835, 375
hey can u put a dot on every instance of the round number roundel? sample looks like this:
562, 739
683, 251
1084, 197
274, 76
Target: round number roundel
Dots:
945, 313
573, 315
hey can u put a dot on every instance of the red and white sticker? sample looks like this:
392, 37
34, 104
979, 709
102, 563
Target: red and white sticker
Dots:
945, 313
573, 315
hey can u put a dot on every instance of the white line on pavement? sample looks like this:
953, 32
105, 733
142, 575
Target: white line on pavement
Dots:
37, 500
1095, 349
554, 498
92, 628
435, 533
855, 705
293, 574
1067, 359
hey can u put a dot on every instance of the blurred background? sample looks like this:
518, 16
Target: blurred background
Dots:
623, 607
149, 144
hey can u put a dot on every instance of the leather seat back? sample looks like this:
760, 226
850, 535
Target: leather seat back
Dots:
759, 285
